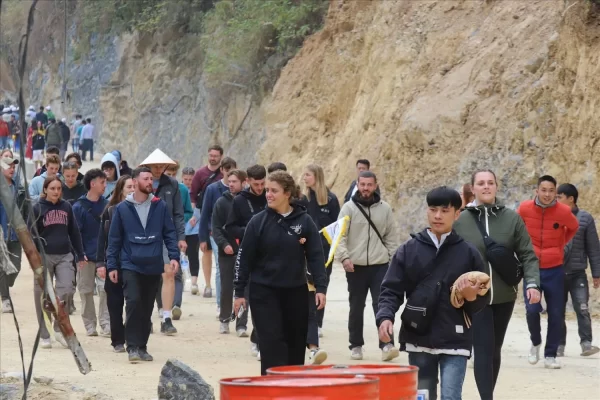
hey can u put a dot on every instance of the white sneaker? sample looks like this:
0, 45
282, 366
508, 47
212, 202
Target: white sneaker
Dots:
534, 354
176, 313
551, 363
46, 343
61, 339
317, 357
242, 333
320, 332
258, 356
6, 308
224, 328
389, 352
195, 290
254, 350
357, 353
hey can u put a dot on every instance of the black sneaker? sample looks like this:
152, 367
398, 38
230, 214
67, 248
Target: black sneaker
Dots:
134, 355
145, 356
119, 348
167, 327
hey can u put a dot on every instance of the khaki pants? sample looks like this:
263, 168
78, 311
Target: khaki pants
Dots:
61, 270
85, 283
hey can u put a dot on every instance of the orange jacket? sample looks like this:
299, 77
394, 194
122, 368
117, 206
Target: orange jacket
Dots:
550, 228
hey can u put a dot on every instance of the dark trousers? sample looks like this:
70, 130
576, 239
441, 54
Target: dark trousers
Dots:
193, 253
553, 287
226, 265
321, 312
140, 292
281, 318
452, 371
489, 330
360, 282
87, 145
178, 290
312, 336
115, 300
577, 285
7, 281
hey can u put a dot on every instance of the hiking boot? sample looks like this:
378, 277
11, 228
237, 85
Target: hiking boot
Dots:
320, 332
224, 328
144, 355
176, 312
6, 307
207, 292
560, 352
551, 363
105, 332
254, 350
317, 357
242, 333
61, 339
195, 290
167, 327
389, 352
46, 343
587, 349
134, 356
357, 353
534, 354
119, 348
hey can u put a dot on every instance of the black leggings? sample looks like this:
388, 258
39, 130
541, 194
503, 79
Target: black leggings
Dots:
192, 252
489, 329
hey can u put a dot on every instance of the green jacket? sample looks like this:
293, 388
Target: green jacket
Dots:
507, 228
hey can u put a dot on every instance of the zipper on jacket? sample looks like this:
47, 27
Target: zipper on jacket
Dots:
487, 229
368, 234
542, 237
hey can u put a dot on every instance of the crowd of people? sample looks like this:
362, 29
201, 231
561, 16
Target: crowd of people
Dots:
123, 233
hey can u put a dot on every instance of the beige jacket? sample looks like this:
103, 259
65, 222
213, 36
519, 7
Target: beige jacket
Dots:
360, 243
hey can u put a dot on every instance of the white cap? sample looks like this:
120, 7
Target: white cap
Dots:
157, 157
31, 108
48, 108
64, 120
13, 108
6, 110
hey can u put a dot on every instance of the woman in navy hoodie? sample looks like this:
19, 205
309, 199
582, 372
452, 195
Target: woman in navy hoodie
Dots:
279, 244
55, 232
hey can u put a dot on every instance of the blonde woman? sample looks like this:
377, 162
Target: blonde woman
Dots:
323, 207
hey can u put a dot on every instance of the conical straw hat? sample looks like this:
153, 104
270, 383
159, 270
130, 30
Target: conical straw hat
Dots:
157, 157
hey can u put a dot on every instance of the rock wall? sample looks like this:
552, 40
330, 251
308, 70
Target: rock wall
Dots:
429, 91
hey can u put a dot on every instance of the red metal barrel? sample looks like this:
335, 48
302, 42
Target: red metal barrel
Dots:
395, 382
300, 388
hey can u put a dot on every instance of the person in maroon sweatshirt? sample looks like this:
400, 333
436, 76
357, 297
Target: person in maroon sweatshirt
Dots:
205, 176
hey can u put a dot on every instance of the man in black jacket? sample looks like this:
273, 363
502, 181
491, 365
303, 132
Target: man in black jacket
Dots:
66, 136
247, 204
236, 180
361, 166
435, 333
583, 247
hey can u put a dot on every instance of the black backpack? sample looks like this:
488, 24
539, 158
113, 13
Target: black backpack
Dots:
200, 195
502, 259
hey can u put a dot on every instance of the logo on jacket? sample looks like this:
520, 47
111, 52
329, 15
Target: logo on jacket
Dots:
325, 210
297, 229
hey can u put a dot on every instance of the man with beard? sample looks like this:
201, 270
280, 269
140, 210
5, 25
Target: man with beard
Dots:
202, 178
365, 252
140, 257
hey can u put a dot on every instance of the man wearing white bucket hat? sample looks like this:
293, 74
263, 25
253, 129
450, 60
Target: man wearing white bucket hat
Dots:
167, 189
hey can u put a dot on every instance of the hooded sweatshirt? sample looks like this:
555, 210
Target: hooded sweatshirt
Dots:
213, 192
136, 236
271, 253
56, 227
220, 213
361, 244
244, 207
109, 159
72, 194
88, 214
36, 186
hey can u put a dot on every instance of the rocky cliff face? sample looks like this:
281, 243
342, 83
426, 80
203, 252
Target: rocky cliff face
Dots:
427, 90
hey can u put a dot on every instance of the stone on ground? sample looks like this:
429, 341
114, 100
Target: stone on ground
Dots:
180, 382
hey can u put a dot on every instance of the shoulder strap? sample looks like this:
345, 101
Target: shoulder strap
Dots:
88, 208
480, 226
369, 220
210, 179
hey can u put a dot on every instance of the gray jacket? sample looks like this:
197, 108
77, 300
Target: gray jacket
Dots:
168, 190
585, 245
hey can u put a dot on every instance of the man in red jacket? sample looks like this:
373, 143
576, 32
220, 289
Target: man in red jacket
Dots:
551, 226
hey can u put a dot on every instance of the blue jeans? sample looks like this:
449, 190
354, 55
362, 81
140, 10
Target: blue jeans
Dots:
215, 248
452, 372
552, 285
4, 140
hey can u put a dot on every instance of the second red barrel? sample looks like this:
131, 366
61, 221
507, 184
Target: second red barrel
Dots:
395, 382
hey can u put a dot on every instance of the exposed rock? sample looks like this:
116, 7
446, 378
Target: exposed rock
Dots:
180, 382
10, 391
43, 380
